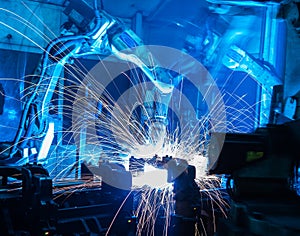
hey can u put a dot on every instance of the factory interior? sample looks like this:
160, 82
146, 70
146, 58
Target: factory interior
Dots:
149, 118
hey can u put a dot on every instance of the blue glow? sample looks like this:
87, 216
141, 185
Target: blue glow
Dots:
206, 30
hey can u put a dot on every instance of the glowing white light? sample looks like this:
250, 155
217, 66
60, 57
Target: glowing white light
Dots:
25, 152
33, 151
152, 177
47, 142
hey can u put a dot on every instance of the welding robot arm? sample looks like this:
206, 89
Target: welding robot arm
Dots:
34, 123
156, 101
239, 60
108, 36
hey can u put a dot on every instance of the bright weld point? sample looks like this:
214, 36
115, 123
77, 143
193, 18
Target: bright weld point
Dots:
129, 221
47, 233
152, 177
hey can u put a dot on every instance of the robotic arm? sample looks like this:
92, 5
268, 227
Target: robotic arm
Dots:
239, 60
108, 36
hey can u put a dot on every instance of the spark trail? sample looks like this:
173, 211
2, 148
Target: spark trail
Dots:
115, 132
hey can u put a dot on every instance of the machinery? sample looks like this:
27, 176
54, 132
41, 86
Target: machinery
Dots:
85, 206
65, 193
107, 36
261, 167
66, 209
262, 180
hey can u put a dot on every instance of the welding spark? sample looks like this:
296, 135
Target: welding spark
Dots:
93, 126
